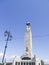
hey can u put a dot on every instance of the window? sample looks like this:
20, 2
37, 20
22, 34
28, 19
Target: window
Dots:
33, 63
26, 63
21, 63
29, 63
16, 63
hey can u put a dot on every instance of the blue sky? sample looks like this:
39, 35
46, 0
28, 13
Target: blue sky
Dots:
13, 17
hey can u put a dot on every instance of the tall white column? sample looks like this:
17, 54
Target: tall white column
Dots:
28, 41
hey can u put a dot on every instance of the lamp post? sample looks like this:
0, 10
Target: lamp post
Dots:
8, 38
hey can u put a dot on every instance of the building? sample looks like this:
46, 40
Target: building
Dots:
27, 58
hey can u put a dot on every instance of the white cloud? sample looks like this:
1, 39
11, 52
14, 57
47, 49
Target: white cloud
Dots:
7, 57
46, 61
1, 54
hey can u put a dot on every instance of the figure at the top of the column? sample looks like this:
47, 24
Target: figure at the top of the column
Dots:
28, 41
